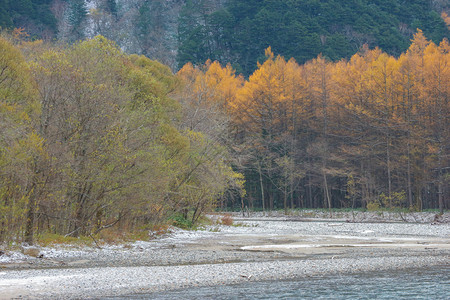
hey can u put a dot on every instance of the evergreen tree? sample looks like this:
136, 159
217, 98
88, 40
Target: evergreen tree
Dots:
303, 29
34, 16
77, 16
5, 18
111, 7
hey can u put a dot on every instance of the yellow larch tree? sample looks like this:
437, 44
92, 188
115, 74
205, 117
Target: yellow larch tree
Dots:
435, 91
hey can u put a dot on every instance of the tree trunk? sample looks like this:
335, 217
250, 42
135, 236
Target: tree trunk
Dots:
29, 225
327, 197
440, 183
388, 163
262, 188
410, 197
291, 192
271, 199
310, 198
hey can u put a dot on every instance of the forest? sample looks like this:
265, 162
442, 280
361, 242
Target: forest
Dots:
237, 32
93, 137
369, 132
176, 32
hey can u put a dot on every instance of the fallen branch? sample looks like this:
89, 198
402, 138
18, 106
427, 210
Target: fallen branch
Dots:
108, 225
403, 218
95, 241
70, 233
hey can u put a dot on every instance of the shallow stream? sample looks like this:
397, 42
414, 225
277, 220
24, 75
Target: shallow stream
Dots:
406, 284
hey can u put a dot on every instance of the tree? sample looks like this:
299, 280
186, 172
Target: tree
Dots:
205, 96
21, 149
301, 30
435, 90
266, 113
77, 17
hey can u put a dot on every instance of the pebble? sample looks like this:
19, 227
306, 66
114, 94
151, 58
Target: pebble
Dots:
154, 266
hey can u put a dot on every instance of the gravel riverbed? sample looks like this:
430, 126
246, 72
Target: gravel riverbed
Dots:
257, 249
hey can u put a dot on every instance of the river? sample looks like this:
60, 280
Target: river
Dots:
407, 284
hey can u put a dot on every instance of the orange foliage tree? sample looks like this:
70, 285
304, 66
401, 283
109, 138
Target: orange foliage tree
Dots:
373, 129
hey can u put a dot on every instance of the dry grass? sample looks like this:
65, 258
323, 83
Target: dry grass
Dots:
109, 236
226, 220
49, 239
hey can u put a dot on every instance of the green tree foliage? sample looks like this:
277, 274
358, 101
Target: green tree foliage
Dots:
111, 7
301, 29
5, 19
91, 138
33, 15
77, 17
20, 147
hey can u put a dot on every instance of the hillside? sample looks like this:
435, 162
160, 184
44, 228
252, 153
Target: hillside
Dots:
234, 31
36, 16
240, 31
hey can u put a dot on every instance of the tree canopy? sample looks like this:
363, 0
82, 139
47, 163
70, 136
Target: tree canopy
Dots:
240, 31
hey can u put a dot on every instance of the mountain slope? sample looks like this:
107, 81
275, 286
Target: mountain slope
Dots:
232, 31
241, 30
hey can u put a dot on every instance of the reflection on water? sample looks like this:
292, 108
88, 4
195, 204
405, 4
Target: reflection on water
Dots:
406, 284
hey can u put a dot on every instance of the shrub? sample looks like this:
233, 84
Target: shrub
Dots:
226, 220
373, 206
181, 222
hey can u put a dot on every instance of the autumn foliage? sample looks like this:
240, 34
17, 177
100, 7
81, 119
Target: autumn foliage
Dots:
373, 129
92, 138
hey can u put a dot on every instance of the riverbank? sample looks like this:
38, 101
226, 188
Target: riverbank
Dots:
254, 249
357, 216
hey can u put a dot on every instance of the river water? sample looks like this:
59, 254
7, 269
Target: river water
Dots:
406, 284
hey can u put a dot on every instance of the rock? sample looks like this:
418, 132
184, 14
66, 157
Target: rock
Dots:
31, 251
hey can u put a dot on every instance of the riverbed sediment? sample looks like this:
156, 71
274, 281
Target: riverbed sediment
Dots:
254, 249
